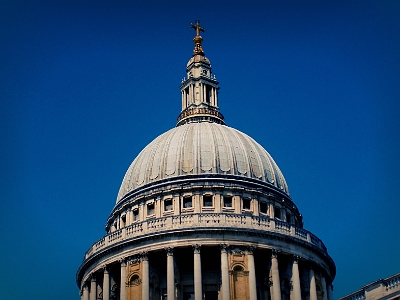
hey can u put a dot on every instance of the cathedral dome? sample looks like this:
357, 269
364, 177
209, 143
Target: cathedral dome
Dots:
199, 149
204, 213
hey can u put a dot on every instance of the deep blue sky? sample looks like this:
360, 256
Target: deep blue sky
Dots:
85, 85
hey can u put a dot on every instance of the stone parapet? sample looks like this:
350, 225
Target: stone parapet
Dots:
190, 222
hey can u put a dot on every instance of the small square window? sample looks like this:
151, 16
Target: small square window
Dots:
227, 201
263, 207
207, 201
187, 202
150, 209
246, 204
168, 205
277, 212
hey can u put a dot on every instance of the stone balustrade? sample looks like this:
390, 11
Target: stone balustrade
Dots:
204, 220
392, 283
388, 288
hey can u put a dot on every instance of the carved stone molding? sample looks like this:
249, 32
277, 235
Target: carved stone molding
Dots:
134, 260
196, 248
237, 251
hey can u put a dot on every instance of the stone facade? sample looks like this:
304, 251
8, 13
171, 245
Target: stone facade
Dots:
388, 289
204, 213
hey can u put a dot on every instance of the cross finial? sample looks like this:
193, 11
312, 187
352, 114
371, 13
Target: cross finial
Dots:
197, 27
198, 50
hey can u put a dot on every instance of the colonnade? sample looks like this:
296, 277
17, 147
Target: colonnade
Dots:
225, 287
189, 95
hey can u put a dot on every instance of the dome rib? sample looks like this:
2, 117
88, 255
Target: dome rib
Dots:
201, 148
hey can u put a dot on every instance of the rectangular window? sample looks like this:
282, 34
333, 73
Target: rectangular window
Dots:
150, 209
135, 214
207, 201
187, 202
168, 205
246, 203
277, 212
227, 201
288, 218
263, 207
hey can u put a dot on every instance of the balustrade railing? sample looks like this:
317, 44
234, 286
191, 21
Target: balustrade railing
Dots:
189, 221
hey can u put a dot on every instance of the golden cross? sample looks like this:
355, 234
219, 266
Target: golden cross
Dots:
197, 27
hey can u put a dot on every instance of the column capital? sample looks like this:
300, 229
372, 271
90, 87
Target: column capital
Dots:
144, 256
85, 286
169, 250
104, 268
275, 253
92, 277
251, 248
296, 258
122, 261
196, 248
224, 247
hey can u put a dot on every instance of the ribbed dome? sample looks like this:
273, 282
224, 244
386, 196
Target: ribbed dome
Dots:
199, 149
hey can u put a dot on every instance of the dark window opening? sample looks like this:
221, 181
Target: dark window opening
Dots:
207, 200
288, 218
187, 202
238, 268
135, 215
263, 207
277, 212
246, 203
168, 205
150, 209
227, 201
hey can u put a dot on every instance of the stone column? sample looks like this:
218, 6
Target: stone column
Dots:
123, 280
224, 273
271, 211
323, 283
296, 279
183, 100
212, 101
93, 289
276, 282
252, 274
330, 290
202, 95
313, 286
106, 284
145, 276
170, 274
198, 289
85, 293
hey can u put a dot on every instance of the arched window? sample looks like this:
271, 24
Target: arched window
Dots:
134, 280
